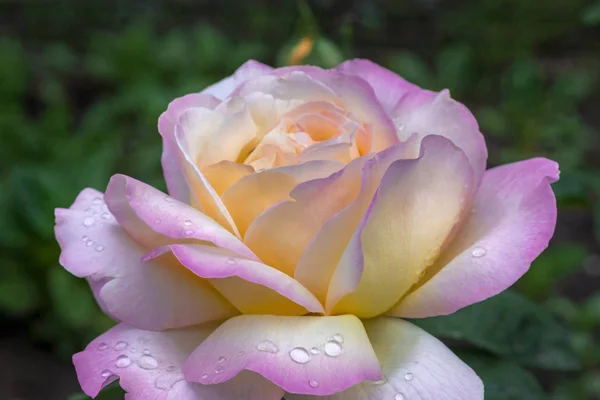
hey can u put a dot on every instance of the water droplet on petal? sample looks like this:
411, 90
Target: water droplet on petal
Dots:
89, 243
479, 252
157, 221
146, 351
382, 381
241, 353
171, 368
204, 376
313, 383
147, 362
89, 221
221, 360
408, 376
231, 261
123, 362
187, 222
167, 381
267, 346
189, 232
143, 340
219, 369
102, 346
105, 374
338, 337
300, 355
132, 350
99, 248
314, 351
168, 199
97, 200
105, 216
333, 348
120, 345
84, 238
399, 396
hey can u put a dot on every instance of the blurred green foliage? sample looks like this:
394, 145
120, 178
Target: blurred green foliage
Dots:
82, 86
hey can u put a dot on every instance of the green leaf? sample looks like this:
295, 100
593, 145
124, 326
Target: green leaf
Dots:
503, 380
409, 66
591, 14
511, 326
549, 268
454, 67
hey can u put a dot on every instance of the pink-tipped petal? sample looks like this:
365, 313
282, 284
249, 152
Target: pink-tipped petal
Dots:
428, 113
249, 70
176, 183
155, 219
417, 366
513, 219
148, 365
251, 286
148, 295
417, 205
306, 355
388, 86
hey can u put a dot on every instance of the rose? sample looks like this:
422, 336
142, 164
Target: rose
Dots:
308, 209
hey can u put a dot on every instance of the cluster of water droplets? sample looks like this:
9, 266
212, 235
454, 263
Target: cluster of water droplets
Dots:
98, 207
146, 361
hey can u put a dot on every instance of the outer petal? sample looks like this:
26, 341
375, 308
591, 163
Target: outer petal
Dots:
250, 69
148, 365
253, 287
154, 219
176, 183
151, 295
307, 355
388, 86
430, 113
512, 222
417, 205
416, 365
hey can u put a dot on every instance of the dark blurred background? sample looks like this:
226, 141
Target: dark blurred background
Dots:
82, 84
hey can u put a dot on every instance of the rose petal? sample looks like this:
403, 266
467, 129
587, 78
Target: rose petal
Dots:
225, 173
281, 234
429, 113
253, 194
154, 219
284, 350
416, 206
416, 365
388, 86
250, 69
513, 220
253, 287
148, 365
176, 183
148, 295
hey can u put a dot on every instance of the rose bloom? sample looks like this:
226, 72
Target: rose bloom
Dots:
308, 211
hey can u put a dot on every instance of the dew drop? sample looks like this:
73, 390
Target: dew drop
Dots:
146, 351
123, 362
89, 221
171, 368
187, 222
408, 376
189, 232
333, 348
143, 340
89, 243
313, 383
105, 216
314, 351
221, 360
168, 199
204, 376
479, 252
132, 350
219, 369
382, 381
231, 261
99, 248
120, 345
84, 238
157, 221
97, 200
241, 353
102, 346
105, 374
147, 362
267, 346
399, 396
167, 381
338, 337
300, 355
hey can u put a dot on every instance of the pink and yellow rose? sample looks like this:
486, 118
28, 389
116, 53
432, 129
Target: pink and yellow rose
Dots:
308, 210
